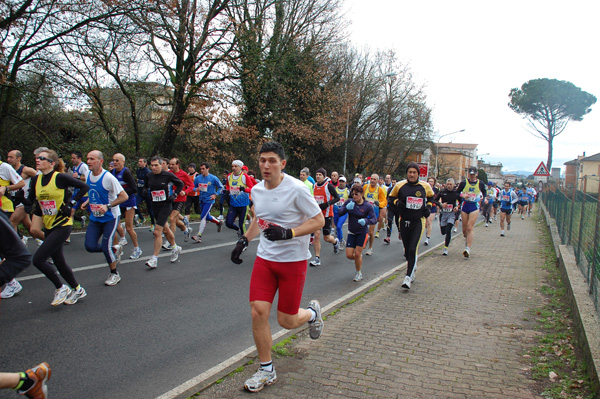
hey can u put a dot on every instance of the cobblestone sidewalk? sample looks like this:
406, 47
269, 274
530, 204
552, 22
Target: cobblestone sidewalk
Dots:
460, 332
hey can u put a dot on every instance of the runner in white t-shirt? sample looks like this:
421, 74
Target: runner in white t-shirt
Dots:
286, 215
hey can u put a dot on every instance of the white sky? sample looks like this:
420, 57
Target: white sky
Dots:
469, 54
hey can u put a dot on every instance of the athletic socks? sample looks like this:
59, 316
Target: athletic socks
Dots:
267, 366
313, 315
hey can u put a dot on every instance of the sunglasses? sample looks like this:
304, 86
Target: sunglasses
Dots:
43, 159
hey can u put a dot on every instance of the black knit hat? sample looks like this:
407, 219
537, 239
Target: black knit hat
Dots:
412, 165
322, 171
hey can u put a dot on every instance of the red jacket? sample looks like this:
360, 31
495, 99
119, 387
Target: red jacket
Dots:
188, 185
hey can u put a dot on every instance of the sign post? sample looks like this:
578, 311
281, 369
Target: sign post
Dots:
541, 173
423, 171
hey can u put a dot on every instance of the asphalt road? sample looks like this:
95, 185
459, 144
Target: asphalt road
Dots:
157, 328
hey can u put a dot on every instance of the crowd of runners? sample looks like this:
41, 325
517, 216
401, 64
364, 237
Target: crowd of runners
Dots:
289, 216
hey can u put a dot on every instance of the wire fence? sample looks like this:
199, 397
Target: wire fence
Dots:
577, 216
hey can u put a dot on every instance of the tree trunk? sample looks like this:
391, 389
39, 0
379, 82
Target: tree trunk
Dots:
549, 160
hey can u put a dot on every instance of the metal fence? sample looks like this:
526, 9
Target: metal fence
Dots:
577, 216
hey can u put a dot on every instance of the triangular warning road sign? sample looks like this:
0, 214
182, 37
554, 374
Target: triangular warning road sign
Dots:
541, 170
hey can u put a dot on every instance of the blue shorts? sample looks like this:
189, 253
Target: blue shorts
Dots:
468, 207
522, 203
357, 240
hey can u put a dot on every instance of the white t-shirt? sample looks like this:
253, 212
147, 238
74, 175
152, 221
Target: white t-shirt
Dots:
9, 173
112, 185
82, 170
288, 205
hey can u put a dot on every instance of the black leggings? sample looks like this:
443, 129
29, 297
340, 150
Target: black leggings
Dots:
447, 231
15, 254
411, 232
392, 218
53, 248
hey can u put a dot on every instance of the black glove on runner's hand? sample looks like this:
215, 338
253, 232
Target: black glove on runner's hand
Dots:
240, 247
276, 233
324, 206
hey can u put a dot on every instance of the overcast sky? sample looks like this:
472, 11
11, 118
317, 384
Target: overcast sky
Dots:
469, 54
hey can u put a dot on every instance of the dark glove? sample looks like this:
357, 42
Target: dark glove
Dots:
426, 212
172, 197
399, 203
65, 208
240, 246
376, 203
323, 206
276, 233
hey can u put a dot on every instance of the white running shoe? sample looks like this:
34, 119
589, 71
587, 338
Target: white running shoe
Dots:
137, 252
455, 230
369, 251
10, 289
316, 326
113, 279
60, 295
186, 234
186, 221
445, 251
123, 241
426, 242
166, 246
467, 252
336, 246
220, 217
152, 263
357, 276
315, 262
406, 283
118, 250
486, 224
175, 253
75, 295
502, 233
260, 379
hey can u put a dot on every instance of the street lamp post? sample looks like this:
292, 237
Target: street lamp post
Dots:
437, 149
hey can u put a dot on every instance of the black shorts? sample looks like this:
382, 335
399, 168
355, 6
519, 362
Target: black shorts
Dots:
327, 226
507, 211
162, 210
178, 206
522, 203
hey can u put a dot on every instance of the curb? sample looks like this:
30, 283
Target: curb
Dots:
583, 311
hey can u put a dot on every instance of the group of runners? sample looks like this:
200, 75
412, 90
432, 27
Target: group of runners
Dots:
287, 215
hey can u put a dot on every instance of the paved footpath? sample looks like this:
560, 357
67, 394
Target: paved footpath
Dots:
460, 332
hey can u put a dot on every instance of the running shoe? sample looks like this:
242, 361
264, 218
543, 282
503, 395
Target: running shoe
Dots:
522, 217
342, 243
152, 228
455, 230
197, 238
75, 295
40, 374
137, 252
495, 218
406, 283
186, 221
315, 262
445, 253
123, 225
502, 233
508, 227
166, 246
426, 242
220, 226
336, 246
175, 253
386, 240
136, 220
316, 326
10, 289
260, 379
186, 234
113, 279
118, 250
39, 242
123, 241
220, 217
377, 234
357, 276
60, 295
83, 221
24, 240
467, 252
369, 251
486, 224
152, 263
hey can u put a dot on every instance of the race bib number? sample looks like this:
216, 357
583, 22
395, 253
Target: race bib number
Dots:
48, 207
448, 208
159, 195
340, 202
97, 210
414, 203
202, 187
471, 197
234, 190
320, 199
506, 198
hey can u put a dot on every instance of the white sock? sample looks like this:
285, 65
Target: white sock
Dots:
313, 315
267, 366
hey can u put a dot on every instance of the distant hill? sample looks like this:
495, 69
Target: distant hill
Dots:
518, 173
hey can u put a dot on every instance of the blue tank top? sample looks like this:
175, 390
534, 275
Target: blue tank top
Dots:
119, 175
98, 196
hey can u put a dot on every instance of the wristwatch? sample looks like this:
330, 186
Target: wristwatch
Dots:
108, 206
